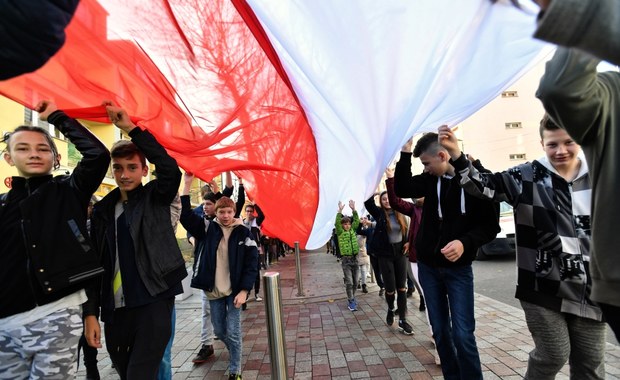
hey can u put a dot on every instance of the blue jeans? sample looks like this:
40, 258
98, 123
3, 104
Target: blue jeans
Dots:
449, 296
165, 367
226, 320
206, 332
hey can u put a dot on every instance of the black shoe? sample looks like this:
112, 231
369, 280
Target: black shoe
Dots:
234, 376
422, 304
390, 318
381, 292
405, 327
364, 289
92, 373
359, 286
410, 292
203, 354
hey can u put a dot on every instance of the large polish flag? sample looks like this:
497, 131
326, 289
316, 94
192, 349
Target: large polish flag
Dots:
307, 100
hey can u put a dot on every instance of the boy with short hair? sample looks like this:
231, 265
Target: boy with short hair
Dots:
453, 226
551, 198
134, 236
346, 228
587, 103
47, 255
225, 266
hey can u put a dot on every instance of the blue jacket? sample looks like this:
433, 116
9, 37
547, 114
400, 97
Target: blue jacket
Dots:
242, 251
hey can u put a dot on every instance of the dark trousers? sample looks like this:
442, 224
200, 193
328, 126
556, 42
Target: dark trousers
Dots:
374, 263
137, 338
257, 281
612, 315
90, 353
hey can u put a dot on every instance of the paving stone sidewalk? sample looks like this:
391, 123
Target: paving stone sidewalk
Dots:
324, 340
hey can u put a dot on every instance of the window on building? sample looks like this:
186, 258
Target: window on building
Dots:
27, 116
34, 120
513, 125
509, 94
517, 156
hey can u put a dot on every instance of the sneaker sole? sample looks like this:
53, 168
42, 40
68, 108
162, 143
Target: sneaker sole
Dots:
404, 332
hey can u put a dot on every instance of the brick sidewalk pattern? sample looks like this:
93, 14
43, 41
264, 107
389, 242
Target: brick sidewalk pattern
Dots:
324, 340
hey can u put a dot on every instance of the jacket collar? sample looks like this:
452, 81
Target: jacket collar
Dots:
29, 185
135, 193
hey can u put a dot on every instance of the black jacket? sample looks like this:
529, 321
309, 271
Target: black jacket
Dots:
46, 252
380, 242
158, 257
477, 226
31, 32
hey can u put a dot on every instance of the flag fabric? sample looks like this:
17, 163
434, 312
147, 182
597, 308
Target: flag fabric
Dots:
307, 101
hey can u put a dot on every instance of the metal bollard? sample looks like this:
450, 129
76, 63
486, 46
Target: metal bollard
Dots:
300, 284
275, 325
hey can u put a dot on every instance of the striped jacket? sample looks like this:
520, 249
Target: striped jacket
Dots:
552, 223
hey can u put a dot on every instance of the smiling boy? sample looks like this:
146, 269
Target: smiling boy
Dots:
551, 199
133, 234
225, 267
47, 255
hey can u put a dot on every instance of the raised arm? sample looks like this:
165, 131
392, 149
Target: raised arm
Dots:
168, 173
405, 184
337, 223
228, 185
92, 168
397, 203
591, 26
503, 186
575, 95
356, 219
372, 207
240, 198
34, 30
193, 224
260, 218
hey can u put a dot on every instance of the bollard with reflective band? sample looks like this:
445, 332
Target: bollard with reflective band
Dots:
275, 325
300, 285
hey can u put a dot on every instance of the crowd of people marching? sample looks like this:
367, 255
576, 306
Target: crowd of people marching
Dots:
69, 262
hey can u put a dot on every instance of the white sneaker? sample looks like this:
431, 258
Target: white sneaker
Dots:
435, 353
258, 298
437, 359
